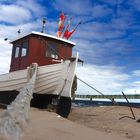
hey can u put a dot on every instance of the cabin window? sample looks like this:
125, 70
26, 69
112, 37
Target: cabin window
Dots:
52, 51
16, 52
24, 51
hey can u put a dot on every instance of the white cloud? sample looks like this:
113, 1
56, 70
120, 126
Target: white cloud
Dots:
132, 90
96, 40
100, 11
21, 11
106, 79
10, 31
112, 2
35, 7
14, 14
5, 56
74, 6
136, 73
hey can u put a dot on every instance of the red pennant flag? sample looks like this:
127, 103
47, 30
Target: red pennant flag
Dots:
68, 34
62, 19
62, 16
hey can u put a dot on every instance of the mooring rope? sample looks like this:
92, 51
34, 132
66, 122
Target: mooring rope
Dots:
94, 89
14, 120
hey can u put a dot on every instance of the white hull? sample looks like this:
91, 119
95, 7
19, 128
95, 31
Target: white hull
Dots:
54, 79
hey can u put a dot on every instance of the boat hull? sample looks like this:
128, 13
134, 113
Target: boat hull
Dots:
55, 79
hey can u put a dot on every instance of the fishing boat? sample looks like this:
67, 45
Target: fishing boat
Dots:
55, 74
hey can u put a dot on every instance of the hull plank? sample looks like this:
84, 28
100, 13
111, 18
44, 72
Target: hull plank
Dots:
55, 79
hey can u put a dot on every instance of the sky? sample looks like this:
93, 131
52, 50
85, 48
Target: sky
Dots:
107, 40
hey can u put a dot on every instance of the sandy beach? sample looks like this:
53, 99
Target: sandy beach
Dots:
88, 123
111, 120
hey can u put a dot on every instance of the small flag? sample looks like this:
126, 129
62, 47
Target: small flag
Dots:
62, 19
59, 33
68, 34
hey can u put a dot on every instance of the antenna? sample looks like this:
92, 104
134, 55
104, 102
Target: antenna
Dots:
43, 24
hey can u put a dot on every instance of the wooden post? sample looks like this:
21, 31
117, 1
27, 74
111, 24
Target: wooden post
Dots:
129, 105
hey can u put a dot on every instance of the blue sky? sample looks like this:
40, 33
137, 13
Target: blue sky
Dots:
108, 40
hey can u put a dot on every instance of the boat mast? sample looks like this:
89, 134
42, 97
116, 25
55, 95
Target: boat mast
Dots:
43, 24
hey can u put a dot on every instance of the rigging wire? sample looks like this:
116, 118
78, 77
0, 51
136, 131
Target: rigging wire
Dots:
95, 89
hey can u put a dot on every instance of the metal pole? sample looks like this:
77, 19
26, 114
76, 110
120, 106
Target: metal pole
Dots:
43, 24
129, 105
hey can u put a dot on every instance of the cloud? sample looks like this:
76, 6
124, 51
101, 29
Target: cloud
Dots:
135, 90
74, 6
107, 79
136, 73
10, 31
109, 2
35, 7
5, 56
98, 43
100, 11
102, 43
98, 31
14, 14
20, 12
115, 3
108, 39
135, 4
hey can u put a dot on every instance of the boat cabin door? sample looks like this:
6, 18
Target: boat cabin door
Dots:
19, 55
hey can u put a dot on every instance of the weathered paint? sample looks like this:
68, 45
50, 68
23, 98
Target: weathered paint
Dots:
37, 52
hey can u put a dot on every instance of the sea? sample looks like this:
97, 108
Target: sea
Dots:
79, 102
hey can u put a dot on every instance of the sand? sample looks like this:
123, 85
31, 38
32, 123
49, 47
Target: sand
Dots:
111, 120
90, 123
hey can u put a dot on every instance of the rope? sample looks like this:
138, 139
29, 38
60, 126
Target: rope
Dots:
14, 120
94, 89
53, 49
56, 52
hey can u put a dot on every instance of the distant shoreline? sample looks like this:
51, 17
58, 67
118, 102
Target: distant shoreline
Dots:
88, 103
